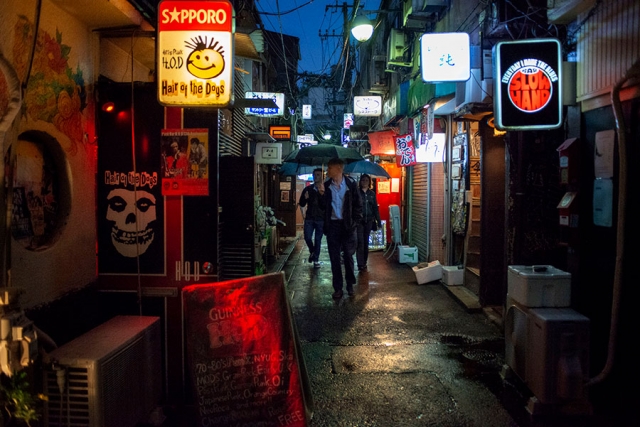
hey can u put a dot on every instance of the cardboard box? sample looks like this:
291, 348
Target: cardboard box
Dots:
433, 271
452, 275
539, 286
407, 254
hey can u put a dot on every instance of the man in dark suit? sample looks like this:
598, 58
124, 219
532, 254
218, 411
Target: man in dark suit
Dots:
343, 212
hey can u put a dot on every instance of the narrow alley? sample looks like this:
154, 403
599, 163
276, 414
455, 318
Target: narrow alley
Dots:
401, 354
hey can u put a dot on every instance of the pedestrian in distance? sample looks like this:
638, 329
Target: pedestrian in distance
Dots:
312, 206
370, 220
343, 213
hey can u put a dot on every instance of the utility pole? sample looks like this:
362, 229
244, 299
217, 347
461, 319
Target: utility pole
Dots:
344, 77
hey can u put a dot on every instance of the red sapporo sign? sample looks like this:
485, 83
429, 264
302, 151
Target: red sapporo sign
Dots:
195, 53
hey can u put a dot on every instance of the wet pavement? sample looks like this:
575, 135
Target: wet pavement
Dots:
392, 355
402, 354
399, 354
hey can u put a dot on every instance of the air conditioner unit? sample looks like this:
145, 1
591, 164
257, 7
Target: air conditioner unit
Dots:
548, 349
397, 45
109, 377
417, 13
378, 77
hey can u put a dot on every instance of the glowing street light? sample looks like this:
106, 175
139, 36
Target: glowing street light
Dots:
361, 28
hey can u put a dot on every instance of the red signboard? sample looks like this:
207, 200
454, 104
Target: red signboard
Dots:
528, 76
405, 150
382, 143
179, 15
243, 356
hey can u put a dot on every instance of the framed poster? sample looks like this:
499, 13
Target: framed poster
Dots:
284, 196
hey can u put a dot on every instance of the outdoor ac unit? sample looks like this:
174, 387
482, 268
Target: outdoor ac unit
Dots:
548, 349
110, 377
397, 45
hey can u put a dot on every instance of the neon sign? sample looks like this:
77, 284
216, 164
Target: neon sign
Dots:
528, 93
195, 53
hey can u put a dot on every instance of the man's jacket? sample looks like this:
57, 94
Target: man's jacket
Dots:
311, 198
351, 206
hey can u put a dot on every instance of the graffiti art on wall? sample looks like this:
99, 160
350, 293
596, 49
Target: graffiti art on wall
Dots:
55, 92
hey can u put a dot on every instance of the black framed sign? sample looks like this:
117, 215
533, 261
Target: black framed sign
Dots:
528, 89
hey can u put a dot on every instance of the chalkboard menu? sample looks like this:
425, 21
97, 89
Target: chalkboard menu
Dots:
243, 355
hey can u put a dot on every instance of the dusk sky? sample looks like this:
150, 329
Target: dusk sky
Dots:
304, 20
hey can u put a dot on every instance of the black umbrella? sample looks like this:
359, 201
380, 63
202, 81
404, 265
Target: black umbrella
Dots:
319, 155
290, 168
364, 166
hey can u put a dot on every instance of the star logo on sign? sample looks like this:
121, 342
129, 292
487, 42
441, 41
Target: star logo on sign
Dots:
175, 15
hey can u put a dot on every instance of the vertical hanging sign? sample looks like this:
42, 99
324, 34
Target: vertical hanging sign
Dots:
195, 53
528, 84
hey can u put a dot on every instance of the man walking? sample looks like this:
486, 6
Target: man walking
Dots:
343, 212
312, 199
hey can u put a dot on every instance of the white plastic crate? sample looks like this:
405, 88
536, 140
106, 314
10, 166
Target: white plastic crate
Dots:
430, 273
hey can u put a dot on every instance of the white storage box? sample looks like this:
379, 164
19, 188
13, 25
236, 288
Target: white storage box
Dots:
452, 275
539, 286
433, 271
407, 254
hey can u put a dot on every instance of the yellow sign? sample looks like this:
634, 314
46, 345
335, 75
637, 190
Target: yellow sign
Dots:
280, 132
195, 53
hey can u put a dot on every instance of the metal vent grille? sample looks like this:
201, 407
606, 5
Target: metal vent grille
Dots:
71, 408
113, 376
232, 145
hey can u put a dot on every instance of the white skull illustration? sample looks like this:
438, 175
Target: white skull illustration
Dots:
124, 210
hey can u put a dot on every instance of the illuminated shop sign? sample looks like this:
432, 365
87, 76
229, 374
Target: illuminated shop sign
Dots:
195, 53
445, 57
367, 105
528, 84
278, 98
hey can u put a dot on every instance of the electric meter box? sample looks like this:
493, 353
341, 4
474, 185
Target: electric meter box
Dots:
539, 286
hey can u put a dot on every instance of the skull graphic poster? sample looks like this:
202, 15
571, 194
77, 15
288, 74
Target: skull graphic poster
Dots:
185, 161
130, 206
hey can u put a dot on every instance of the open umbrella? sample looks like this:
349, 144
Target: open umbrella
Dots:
318, 155
364, 166
295, 169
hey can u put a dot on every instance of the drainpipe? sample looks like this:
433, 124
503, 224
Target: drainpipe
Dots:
621, 130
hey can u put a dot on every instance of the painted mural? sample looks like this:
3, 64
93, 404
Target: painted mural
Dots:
55, 92
4, 95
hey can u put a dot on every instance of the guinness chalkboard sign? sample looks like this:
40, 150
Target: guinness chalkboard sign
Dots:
243, 355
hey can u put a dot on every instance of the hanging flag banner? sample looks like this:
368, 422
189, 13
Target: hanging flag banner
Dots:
405, 150
528, 89
185, 161
243, 354
195, 53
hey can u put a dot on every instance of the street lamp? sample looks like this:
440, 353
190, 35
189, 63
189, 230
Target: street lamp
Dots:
361, 28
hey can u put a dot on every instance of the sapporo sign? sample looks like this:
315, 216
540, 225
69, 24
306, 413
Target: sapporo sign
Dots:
195, 53
528, 89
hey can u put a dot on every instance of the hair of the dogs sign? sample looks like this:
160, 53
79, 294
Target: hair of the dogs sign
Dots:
195, 53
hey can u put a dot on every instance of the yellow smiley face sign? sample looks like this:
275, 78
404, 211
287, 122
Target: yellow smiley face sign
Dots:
205, 61
195, 53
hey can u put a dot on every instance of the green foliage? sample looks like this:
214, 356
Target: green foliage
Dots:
16, 398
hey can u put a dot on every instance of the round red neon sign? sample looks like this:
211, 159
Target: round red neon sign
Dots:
530, 89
